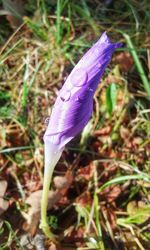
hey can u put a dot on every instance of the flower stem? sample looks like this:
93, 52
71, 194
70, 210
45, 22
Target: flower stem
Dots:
51, 158
44, 203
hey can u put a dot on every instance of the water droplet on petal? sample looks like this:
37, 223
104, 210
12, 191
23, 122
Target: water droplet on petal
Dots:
78, 99
79, 77
46, 120
97, 51
90, 89
65, 95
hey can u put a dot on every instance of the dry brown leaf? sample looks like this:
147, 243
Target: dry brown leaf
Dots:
3, 187
103, 131
124, 133
75, 235
133, 207
34, 201
125, 61
3, 203
109, 216
52, 247
33, 215
111, 193
60, 182
137, 141
84, 199
86, 173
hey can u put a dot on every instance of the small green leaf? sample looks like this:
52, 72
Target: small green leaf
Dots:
111, 96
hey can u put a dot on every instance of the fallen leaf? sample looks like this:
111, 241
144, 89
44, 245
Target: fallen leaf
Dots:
109, 216
137, 141
133, 207
53, 247
103, 131
86, 173
3, 187
125, 61
34, 201
3, 203
60, 182
75, 235
111, 193
124, 133
33, 215
84, 199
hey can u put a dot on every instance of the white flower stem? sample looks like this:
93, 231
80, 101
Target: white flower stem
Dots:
51, 158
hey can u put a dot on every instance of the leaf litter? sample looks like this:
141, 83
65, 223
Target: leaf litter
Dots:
117, 145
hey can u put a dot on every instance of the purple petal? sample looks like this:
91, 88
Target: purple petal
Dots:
74, 104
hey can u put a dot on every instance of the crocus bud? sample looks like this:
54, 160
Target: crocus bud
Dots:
72, 110
74, 104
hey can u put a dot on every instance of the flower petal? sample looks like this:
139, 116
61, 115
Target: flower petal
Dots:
74, 104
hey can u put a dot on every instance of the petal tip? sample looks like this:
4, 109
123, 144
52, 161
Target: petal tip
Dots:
104, 38
118, 45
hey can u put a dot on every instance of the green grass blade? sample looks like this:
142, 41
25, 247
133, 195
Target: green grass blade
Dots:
58, 35
122, 179
85, 13
9, 150
61, 4
97, 218
138, 64
3, 57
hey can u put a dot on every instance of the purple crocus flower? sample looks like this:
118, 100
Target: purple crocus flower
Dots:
72, 110
74, 104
